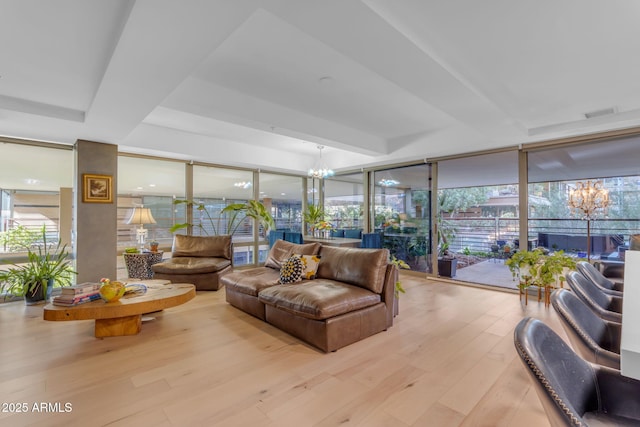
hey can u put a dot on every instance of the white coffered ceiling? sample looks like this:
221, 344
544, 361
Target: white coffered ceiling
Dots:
262, 83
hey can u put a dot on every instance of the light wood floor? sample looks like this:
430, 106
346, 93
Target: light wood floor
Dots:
448, 360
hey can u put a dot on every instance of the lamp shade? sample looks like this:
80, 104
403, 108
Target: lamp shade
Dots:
141, 216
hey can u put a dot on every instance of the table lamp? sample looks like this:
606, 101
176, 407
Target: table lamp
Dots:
141, 216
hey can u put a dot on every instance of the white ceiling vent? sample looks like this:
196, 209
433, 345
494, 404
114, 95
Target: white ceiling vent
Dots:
600, 113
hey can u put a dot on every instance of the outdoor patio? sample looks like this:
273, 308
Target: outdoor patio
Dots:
491, 272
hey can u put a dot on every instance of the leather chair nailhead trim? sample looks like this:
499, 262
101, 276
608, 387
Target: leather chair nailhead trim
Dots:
575, 419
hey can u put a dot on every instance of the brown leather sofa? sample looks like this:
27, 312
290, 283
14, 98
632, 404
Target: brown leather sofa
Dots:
200, 260
350, 299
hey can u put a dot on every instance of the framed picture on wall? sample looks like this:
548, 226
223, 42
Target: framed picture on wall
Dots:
97, 188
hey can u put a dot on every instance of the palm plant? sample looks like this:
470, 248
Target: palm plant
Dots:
238, 213
313, 215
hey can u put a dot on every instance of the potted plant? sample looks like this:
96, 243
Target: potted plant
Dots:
238, 212
153, 246
312, 216
47, 266
447, 263
535, 268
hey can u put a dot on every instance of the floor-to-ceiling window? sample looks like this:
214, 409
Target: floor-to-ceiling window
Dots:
31, 184
153, 184
217, 188
282, 195
555, 171
477, 212
344, 201
401, 208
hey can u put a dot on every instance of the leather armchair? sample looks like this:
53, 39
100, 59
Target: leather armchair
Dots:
606, 306
606, 285
199, 260
574, 392
595, 339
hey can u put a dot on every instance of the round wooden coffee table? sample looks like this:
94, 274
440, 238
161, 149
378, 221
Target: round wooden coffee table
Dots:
123, 317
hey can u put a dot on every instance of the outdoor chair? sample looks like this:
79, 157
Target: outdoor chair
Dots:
495, 253
574, 392
595, 339
606, 306
598, 279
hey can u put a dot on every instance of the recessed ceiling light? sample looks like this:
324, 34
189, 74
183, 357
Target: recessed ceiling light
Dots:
152, 185
138, 188
283, 194
32, 181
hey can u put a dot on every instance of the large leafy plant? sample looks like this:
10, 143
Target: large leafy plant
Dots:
237, 213
538, 269
313, 215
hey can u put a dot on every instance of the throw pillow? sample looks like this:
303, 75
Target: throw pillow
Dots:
310, 265
291, 270
282, 251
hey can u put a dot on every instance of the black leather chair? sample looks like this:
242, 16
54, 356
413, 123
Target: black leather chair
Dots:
592, 273
574, 392
606, 306
595, 339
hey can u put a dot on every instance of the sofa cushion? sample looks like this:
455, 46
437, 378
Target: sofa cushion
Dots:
282, 251
310, 264
250, 282
291, 270
360, 267
318, 299
202, 246
191, 265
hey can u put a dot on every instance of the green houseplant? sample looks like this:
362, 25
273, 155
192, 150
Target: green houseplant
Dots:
535, 268
237, 214
47, 266
312, 216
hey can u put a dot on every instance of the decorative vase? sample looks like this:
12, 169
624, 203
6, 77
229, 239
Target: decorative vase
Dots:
153, 247
112, 291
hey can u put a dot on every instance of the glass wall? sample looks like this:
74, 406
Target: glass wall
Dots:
154, 184
402, 210
30, 186
344, 201
216, 188
282, 194
555, 171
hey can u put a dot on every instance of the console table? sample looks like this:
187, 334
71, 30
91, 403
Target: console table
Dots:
139, 265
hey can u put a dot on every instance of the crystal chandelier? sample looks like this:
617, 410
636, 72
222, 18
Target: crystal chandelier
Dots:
320, 171
586, 201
